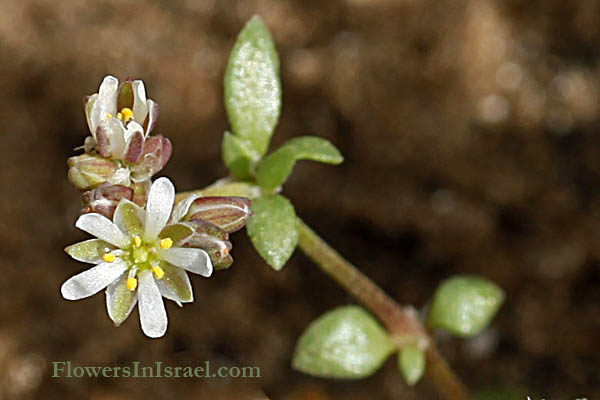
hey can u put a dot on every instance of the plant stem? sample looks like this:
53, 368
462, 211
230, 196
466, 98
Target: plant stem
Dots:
402, 322
398, 320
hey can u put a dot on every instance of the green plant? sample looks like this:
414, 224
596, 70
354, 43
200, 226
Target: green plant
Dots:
350, 342
462, 305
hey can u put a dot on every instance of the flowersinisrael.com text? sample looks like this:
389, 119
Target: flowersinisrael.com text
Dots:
65, 369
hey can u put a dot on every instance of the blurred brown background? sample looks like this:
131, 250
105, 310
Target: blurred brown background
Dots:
470, 131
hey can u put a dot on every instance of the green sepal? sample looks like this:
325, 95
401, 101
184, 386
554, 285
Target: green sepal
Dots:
178, 233
120, 300
175, 283
89, 251
129, 217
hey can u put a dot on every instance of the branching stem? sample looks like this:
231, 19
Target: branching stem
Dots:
402, 322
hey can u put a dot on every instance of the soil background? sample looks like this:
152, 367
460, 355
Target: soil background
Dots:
470, 132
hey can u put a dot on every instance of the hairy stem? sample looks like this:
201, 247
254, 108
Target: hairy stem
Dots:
402, 322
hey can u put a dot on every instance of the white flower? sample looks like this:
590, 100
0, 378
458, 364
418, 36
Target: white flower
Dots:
120, 118
138, 259
118, 113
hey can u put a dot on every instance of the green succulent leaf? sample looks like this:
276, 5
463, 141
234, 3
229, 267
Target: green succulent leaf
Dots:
465, 305
238, 156
274, 169
252, 86
345, 343
273, 229
411, 362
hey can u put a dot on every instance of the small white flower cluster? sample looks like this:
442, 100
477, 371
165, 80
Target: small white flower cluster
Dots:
145, 244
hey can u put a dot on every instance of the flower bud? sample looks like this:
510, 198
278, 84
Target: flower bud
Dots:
105, 198
140, 192
228, 213
213, 240
157, 152
88, 171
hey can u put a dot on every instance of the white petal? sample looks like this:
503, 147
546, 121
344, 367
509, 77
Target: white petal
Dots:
132, 127
88, 109
121, 176
152, 116
93, 280
153, 316
182, 208
193, 260
140, 108
158, 208
103, 228
106, 102
116, 136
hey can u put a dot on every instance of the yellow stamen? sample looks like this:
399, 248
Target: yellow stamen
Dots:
109, 257
158, 272
126, 113
131, 283
166, 243
226, 251
137, 241
108, 116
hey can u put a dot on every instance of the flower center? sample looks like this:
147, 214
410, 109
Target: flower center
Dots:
125, 114
140, 256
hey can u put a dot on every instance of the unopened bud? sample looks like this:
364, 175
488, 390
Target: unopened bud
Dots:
228, 213
213, 240
105, 198
88, 171
140, 192
157, 152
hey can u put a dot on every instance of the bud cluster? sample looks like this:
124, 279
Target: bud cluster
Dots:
120, 155
145, 242
120, 158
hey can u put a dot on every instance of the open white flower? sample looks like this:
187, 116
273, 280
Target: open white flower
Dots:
138, 259
120, 118
117, 115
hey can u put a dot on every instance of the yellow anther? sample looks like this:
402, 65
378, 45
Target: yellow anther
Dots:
166, 243
126, 114
158, 272
108, 116
119, 115
131, 283
137, 241
109, 257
